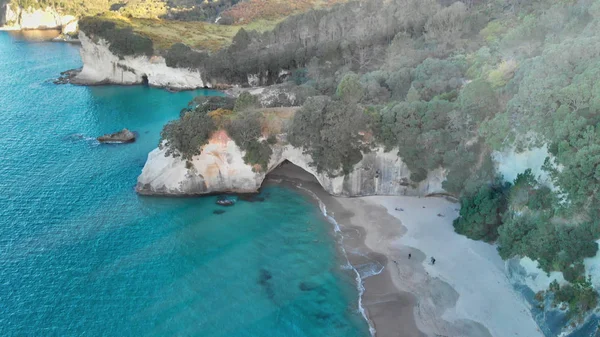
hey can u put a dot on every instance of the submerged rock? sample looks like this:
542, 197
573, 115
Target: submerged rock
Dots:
67, 76
218, 211
264, 276
123, 136
251, 198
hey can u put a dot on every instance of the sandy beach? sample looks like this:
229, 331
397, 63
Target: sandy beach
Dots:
466, 293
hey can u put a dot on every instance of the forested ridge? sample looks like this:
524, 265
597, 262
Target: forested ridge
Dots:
443, 85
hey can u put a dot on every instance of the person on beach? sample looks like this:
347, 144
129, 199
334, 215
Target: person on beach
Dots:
409, 255
432, 260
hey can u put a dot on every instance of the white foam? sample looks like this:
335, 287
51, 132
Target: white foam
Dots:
359, 280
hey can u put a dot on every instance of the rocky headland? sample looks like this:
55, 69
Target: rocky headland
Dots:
17, 18
101, 66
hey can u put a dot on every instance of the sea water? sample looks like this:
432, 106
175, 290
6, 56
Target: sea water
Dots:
82, 254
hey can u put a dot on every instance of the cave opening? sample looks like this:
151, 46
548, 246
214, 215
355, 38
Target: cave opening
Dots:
289, 171
145, 81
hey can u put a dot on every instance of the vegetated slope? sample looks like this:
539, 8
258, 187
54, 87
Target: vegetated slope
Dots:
444, 86
253, 10
183, 10
168, 23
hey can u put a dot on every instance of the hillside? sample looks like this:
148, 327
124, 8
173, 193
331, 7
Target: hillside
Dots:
206, 25
445, 86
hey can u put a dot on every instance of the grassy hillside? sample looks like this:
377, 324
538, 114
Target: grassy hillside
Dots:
273, 10
191, 22
444, 86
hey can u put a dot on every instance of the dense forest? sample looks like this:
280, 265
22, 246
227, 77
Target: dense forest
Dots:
444, 85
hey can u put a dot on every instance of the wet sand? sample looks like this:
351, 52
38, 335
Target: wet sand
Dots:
390, 311
466, 293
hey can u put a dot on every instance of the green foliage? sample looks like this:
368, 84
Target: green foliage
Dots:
580, 296
186, 136
245, 101
329, 131
435, 76
258, 153
350, 90
123, 41
478, 100
245, 129
182, 56
555, 247
421, 131
481, 214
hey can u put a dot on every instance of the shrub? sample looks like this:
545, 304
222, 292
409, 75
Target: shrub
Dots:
505, 71
350, 89
272, 140
329, 131
122, 41
258, 153
580, 296
245, 101
481, 214
186, 136
182, 56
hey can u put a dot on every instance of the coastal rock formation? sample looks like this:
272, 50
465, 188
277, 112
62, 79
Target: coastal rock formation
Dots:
29, 18
123, 136
101, 66
221, 168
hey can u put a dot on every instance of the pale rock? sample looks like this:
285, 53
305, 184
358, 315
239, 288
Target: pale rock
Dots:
220, 168
101, 66
70, 25
49, 18
40, 19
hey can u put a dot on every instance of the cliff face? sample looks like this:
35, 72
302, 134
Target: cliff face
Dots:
101, 66
19, 18
221, 168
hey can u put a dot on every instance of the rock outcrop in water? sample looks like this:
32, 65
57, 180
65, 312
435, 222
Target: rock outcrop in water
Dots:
221, 168
123, 136
101, 66
29, 18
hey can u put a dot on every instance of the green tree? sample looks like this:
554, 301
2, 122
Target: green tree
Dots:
186, 136
350, 90
481, 214
478, 100
245, 101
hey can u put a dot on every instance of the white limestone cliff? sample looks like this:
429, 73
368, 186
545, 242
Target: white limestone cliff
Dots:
48, 18
101, 66
221, 168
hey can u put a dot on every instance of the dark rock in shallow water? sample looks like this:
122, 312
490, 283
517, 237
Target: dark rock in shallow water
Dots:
264, 276
123, 136
218, 211
67, 76
251, 198
308, 286
323, 316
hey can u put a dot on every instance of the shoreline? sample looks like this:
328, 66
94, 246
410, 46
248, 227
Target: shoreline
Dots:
466, 293
386, 309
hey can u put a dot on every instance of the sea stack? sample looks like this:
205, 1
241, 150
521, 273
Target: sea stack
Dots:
123, 136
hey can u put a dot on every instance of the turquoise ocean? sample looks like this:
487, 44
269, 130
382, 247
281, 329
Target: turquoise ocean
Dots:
82, 254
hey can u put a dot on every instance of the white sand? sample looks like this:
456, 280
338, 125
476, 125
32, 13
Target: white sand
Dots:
472, 268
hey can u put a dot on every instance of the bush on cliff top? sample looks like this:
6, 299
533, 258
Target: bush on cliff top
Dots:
182, 56
185, 136
122, 41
